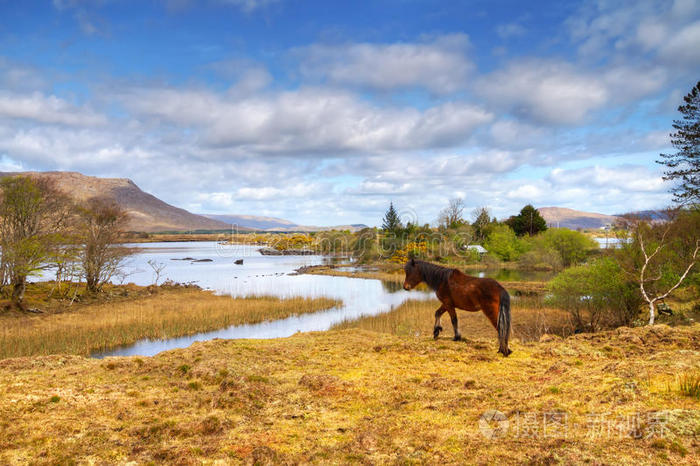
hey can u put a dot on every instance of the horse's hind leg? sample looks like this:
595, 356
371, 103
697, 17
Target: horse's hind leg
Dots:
491, 311
455, 323
438, 328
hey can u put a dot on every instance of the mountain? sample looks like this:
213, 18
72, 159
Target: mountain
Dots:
253, 221
575, 219
273, 224
146, 212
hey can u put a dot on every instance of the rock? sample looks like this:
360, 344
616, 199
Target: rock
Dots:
203, 260
238, 262
286, 252
269, 252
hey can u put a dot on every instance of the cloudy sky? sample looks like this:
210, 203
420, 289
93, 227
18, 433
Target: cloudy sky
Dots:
323, 112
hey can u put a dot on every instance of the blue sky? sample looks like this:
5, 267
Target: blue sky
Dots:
324, 112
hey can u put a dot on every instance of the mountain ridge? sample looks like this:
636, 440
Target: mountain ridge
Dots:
276, 224
572, 219
146, 212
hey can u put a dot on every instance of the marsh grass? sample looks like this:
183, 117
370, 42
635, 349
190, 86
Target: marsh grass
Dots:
355, 396
531, 319
689, 384
168, 313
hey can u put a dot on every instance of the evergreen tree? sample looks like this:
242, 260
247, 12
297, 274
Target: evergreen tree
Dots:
482, 219
528, 222
684, 165
391, 222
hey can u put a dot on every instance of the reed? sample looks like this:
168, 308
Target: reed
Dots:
169, 313
531, 320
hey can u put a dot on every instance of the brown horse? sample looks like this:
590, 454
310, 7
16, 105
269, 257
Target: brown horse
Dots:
455, 290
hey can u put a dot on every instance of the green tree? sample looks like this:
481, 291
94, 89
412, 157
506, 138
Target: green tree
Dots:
391, 222
596, 294
482, 218
32, 221
503, 243
572, 246
660, 255
684, 164
527, 222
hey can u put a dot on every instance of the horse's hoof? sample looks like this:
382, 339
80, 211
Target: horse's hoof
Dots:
457, 338
436, 332
505, 353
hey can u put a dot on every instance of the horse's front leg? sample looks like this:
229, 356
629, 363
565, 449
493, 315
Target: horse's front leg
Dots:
455, 323
438, 328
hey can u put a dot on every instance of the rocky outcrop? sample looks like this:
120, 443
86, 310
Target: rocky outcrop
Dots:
286, 252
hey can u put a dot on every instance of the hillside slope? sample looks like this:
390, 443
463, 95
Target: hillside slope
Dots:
146, 212
574, 219
273, 224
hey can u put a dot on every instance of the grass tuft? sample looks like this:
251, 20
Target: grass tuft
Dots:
168, 313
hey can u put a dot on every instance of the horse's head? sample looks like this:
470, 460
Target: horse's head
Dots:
413, 275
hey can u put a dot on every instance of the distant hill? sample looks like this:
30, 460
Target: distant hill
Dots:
273, 224
146, 212
575, 219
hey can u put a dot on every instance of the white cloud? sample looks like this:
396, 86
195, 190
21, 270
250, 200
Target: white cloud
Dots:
630, 179
556, 92
509, 30
249, 5
683, 47
438, 64
311, 120
670, 30
47, 109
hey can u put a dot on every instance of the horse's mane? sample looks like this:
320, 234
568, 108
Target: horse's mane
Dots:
434, 275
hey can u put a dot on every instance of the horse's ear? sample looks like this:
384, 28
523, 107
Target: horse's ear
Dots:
413, 261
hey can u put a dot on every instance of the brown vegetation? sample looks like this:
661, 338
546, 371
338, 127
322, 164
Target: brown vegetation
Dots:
360, 397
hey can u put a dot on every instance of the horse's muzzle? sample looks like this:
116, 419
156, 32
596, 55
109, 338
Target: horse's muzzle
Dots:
406, 286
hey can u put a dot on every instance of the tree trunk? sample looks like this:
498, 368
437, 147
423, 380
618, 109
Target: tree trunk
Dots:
651, 313
18, 289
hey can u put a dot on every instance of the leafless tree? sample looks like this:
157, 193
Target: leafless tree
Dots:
662, 254
452, 215
101, 223
158, 268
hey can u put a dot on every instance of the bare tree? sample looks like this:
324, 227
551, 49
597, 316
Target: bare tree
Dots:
100, 227
32, 220
452, 215
662, 254
158, 268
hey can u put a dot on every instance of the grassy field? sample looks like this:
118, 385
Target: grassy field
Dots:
353, 396
530, 319
144, 313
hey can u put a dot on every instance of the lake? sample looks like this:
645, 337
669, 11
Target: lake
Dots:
258, 275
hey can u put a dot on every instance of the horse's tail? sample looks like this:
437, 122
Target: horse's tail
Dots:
503, 325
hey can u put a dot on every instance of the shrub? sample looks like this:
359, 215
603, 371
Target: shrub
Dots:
596, 294
502, 242
573, 247
541, 259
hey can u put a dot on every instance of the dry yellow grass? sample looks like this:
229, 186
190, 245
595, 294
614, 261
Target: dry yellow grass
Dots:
168, 313
355, 396
530, 321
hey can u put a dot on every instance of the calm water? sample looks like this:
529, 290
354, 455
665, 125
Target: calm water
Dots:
258, 275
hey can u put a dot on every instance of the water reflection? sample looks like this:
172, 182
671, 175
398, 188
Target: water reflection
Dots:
259, 275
